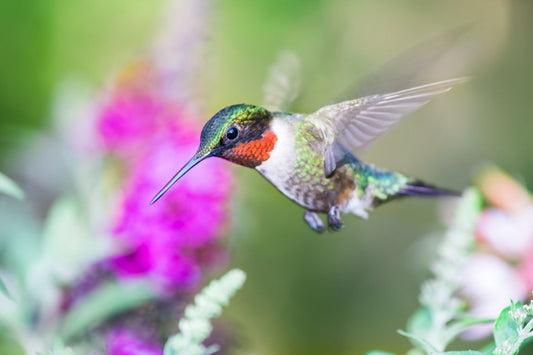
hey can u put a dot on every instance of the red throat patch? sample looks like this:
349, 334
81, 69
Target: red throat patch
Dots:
253, 153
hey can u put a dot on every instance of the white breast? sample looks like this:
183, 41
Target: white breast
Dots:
280, 166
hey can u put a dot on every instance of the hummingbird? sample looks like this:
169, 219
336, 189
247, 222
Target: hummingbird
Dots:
312, 158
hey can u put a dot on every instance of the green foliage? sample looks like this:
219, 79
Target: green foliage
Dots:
419, 320
195, 326
104, 302
488, 349
41, 261
10, 188
440, 318
59, 348
419, 342
513, 328
68, 242
505, 328
4, 290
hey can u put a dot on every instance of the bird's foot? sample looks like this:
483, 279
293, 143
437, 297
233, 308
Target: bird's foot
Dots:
314, 221
334, 219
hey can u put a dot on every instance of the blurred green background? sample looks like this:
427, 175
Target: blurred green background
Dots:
342, 293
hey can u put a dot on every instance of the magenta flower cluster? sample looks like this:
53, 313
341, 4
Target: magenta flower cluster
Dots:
125, 342
148, 129
174, 239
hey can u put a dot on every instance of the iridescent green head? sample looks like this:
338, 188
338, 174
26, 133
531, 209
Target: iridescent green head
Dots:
231, 123
238, 133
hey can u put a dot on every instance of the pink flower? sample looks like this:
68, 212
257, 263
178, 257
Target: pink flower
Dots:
525, 269
145, 124
128, 120
502, 191
169, 240
504, 272
174, 240
502, 269
126, 342
490, 284
508, 234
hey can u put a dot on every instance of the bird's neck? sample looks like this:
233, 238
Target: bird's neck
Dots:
281, 158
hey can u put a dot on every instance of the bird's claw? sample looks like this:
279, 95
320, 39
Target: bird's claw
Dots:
314, 221
334, 219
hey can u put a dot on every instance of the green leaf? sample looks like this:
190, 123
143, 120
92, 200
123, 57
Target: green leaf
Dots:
526, 342
4, 290
10, 188
378, 352
419, 342
60, 349
68, 242
468, 321
467, 210
505, 329
420, 321
195, 327
462, 352
488, 349
461, 324
104, 302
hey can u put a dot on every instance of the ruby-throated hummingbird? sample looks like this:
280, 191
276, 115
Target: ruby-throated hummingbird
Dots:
311, 158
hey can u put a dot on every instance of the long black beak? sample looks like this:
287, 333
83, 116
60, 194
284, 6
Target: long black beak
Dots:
191, 164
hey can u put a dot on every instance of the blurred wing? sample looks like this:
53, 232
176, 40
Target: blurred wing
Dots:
412, 65
353, 125
283, 83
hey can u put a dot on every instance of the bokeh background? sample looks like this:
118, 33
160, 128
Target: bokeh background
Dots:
342, 293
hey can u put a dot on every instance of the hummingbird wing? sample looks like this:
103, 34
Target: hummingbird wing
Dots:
409, 67
351, 126
283, 83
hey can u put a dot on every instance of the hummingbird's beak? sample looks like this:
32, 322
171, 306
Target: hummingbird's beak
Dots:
191, 164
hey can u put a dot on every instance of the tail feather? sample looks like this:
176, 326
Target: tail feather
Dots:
419, 188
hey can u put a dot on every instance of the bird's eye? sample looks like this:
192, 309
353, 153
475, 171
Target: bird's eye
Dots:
232, 133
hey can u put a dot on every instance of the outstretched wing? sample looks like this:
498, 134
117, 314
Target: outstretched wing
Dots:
351, 126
